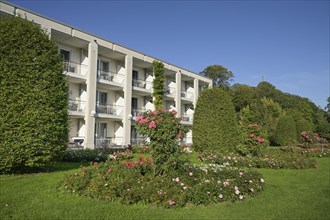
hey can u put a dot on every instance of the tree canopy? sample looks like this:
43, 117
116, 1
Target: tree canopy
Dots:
221, 76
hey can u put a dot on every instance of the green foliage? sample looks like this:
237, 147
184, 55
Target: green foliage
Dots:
133, 182
303, 125
215, 122
164, 131
255, 140
274, 159
158, 84
33, 100
309, 139
220, 75
264, 112
243, 96
286, 133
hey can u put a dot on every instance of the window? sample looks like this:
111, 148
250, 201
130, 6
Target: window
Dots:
101, 130
103, 69
135, 74
65, 55
101, 98
134, 103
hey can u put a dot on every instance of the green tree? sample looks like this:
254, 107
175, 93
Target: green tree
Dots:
215, 124
33, 100
158, 84
243, 95
220, 75
286, 133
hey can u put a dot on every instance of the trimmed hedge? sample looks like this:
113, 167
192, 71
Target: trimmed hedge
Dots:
215, 122
33, 100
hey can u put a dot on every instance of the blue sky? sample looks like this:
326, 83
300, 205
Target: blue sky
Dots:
284, 42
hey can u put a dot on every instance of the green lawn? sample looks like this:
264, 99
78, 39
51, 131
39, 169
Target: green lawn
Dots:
289, 194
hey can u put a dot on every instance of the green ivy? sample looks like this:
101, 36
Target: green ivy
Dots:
33, 100
158, 84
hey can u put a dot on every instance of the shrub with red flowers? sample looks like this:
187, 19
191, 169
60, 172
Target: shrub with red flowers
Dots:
164, 131
309, 139
255, 139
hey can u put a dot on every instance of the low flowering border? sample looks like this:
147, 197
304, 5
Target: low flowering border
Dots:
134, 182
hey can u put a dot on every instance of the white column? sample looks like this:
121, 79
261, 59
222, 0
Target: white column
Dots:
128, 99
91, 95
178, 93
196, 91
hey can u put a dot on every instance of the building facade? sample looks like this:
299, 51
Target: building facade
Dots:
109, 84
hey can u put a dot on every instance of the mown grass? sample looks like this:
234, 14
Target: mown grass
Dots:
289, 194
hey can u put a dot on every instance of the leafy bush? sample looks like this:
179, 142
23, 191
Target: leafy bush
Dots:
33, 100
254, 140
134, 182
309, 139
302, 125
271, 159
98, 155
164, 131
215, 122
286, 133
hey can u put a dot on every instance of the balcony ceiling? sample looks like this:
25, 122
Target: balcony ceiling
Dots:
68, 39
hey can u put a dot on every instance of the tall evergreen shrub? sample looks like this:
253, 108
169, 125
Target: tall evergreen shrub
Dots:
286, 133
33, 97
215, 122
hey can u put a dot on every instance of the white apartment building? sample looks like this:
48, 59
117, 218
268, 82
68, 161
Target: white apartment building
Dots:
110, 84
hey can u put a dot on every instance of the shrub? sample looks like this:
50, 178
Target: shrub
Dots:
215, 122
164, 131
286, 133
33, 100
309, 139
98, 155
303, 125
271, 159
255, 140
134, 182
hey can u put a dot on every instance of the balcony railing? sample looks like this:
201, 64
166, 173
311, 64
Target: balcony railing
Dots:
78, 106
137, 111
142, 84
104, 142
187, 118
170, 91
187, 95
138, 141
74, 68
110, 109
111, 76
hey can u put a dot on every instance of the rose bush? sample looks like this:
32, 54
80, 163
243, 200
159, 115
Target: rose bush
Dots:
164, 131
255, 140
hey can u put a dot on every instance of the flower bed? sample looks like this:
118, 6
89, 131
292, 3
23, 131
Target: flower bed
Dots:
271, 159
134, 182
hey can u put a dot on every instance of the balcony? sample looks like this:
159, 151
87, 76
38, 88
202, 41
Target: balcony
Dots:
74, 69
138, 111
114, 110
77, 105
170, 92
187, 118
139, 141
142, 84
113, 143
111, 77
104, 142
